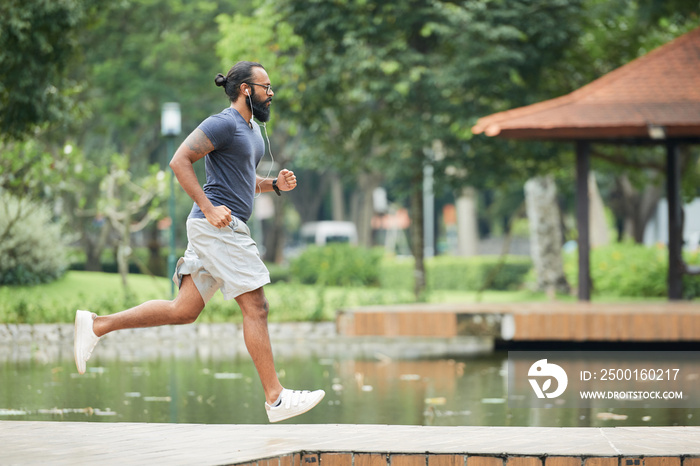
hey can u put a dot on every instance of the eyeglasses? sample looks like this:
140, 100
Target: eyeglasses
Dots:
268, 87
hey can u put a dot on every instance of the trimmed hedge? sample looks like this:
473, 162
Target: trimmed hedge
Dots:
459, 273
632, 270
337, 265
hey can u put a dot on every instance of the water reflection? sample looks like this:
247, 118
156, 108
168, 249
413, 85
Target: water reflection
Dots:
471, 391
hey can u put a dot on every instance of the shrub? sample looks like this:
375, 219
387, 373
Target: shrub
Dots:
459, 273
691, 283
631, 270
337, 265
31, 246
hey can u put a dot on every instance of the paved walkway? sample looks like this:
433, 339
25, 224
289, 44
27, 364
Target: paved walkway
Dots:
58, 443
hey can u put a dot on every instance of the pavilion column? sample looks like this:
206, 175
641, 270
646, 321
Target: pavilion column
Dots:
582, 220
675, 222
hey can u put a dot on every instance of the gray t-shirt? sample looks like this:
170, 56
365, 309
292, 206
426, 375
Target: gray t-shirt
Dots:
230, 167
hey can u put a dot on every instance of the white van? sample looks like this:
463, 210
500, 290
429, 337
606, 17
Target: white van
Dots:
322, 233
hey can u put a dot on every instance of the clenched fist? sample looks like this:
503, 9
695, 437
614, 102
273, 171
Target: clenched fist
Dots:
286, 180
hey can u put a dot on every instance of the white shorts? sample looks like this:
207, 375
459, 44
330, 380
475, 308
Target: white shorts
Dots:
221, 258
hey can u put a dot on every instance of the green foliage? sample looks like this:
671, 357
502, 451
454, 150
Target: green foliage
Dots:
38, 44
337, 265
632, 270
459, 273
57, 301
102, 293
33, 169
31, 246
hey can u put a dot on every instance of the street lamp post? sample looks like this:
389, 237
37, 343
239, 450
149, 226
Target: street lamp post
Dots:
170, 126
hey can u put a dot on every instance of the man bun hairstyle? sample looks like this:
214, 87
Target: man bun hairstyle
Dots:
239, 73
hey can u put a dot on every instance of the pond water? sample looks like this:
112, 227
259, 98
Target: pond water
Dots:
468, 391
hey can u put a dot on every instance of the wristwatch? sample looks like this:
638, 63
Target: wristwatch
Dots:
274, 186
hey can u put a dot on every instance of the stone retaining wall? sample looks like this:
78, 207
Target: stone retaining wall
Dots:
44, 342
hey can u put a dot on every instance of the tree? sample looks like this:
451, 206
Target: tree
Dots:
264, 38
38, 47
128, 206
138, 55
388, 79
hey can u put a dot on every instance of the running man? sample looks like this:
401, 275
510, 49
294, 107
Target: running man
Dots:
220, 252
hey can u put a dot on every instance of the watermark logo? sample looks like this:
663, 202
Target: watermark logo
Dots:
547, 371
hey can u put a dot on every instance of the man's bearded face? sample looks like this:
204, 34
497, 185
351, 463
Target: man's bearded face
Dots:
261, 108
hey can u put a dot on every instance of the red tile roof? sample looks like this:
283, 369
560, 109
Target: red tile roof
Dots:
660, 88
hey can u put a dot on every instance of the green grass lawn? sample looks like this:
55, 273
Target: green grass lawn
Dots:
103, 293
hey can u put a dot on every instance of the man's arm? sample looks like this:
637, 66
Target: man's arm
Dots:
286, 181
196, 146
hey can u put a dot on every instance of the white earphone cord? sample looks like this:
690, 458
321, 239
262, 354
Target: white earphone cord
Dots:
269, 148
272, 162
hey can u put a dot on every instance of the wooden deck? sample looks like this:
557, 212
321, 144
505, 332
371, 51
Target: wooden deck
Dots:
677, 321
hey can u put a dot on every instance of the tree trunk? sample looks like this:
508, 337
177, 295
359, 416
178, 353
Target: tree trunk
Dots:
635, 207
337, 200
156, 264
309, 193
467, 227
363, 206
417, 237
275, 232
123, 253
545, 234
599, 234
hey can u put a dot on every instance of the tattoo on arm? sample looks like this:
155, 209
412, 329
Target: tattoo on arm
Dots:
199, 143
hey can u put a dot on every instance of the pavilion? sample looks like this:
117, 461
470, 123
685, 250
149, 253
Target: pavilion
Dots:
654, 99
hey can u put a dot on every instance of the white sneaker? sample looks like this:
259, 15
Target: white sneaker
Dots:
84, 340
294, 402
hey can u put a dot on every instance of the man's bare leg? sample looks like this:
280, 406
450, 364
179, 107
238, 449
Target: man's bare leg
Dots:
254, 307
184, 309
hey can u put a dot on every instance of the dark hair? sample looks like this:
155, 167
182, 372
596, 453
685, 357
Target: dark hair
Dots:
239, 73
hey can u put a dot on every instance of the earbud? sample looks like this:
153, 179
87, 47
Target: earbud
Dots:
247, 92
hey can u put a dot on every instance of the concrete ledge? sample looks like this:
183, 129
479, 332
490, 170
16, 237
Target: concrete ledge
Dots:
46, 342
345, 445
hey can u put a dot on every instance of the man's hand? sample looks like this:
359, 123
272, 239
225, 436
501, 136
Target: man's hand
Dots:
286, 180
219, 216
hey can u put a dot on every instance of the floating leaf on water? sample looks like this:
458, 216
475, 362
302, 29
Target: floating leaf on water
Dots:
50, 411
449, 413
611, 416
439, 400
228, 375
13, 412
157, 398
409, 377
493, 401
